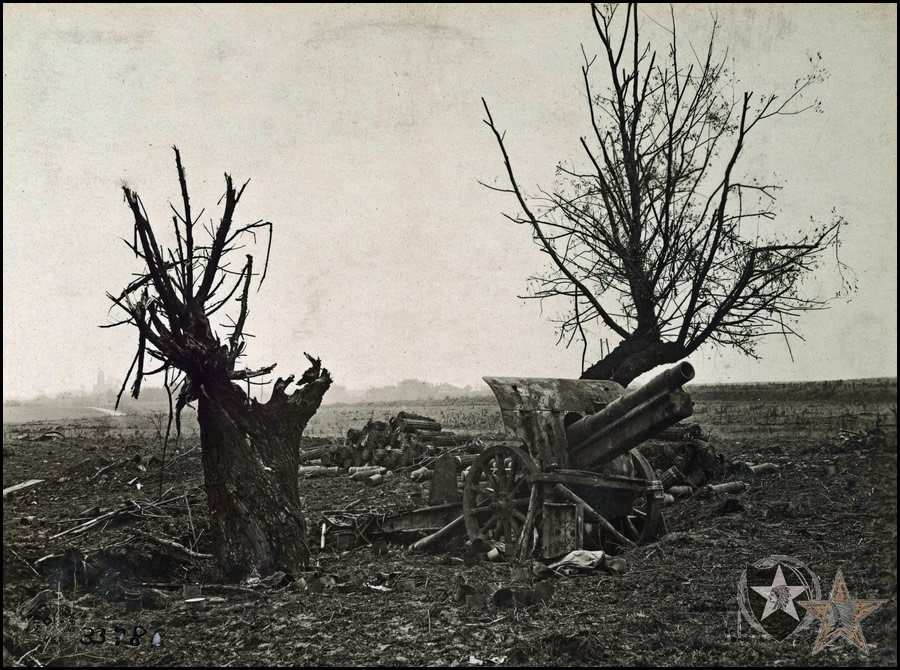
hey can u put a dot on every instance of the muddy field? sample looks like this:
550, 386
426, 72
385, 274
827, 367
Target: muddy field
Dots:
831, 505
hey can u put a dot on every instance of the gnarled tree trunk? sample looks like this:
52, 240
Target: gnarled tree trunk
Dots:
250, 449
632, 358
250, 460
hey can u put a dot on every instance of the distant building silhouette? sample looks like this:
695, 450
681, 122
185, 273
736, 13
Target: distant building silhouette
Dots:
102, 386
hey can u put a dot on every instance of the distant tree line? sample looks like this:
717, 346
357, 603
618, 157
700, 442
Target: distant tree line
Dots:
151, 394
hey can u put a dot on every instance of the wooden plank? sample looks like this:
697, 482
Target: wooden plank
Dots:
563, 528
444, 489
427, 518
19, 487
452, 528
607, 482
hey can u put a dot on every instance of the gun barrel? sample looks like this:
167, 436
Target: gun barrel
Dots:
664, 382
632, 418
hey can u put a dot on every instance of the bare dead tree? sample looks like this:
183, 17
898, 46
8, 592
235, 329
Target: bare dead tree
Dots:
658, 240
249, 449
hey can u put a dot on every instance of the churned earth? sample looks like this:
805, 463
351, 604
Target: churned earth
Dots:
831, 505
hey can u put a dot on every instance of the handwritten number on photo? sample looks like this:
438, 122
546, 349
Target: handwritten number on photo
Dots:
136, 638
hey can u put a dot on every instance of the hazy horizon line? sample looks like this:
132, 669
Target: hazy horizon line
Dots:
470, 390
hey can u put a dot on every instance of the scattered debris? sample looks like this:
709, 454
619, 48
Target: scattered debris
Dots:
133, 600
730, 506
763, 468
420, 597
680, 432
508, 597
540, 593
497, 554
196, 603
19, 487
519, 574
463, 591
476, 602
374, 480
308, 471
364, 472
671, 477
126, 507
697, 460
454, 527
873, 438
580, 559
727, 487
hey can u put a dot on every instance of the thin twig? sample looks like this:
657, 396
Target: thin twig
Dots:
172, 544
190, 522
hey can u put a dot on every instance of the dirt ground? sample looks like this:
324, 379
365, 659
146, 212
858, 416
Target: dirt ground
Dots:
830, 505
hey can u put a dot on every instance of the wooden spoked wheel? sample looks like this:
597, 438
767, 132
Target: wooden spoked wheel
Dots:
642, 523
496, 495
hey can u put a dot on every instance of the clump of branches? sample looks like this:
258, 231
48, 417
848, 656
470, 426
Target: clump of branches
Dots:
656, 237
172, 301
249, 449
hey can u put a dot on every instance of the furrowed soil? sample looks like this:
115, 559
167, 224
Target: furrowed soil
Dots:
831, 505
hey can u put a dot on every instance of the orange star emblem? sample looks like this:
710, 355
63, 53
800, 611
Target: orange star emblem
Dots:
840, 616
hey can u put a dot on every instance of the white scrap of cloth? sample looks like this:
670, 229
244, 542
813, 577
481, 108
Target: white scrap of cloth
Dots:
581, 559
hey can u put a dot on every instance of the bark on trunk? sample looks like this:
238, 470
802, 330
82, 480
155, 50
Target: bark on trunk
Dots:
632, 358
250, 459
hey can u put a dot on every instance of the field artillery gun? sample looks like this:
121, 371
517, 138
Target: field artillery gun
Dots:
575, 443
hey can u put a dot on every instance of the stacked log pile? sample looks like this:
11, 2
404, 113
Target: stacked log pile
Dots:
403, 440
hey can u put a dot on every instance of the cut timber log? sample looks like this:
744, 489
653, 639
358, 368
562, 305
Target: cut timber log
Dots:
413, 425
464, 460
444, 533
421, 475
312, 454
436, 438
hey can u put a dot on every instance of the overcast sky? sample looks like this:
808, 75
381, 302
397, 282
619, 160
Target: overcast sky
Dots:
361, 128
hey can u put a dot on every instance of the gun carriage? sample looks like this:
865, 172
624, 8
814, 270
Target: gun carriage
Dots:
575, 443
